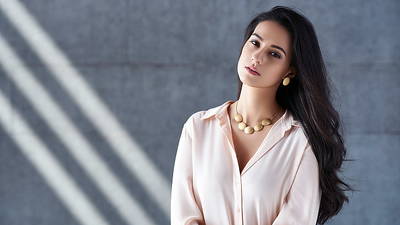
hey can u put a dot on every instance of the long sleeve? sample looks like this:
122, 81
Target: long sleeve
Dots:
303, 200
185, 209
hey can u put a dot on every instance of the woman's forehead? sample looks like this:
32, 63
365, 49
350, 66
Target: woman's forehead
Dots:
274, 33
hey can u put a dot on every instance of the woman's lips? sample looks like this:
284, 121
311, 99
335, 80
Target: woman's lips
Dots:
252, 71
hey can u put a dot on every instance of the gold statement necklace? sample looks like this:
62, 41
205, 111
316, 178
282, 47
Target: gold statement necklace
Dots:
249, 129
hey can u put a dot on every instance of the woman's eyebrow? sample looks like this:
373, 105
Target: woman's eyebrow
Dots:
273, 46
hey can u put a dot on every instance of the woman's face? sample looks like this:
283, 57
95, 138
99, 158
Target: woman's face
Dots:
268, 51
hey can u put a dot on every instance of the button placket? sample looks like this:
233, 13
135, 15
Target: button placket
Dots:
226, 128
238, 203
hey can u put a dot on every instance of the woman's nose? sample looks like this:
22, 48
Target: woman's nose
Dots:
256, 59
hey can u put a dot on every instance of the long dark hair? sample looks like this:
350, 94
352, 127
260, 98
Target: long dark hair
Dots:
308, 98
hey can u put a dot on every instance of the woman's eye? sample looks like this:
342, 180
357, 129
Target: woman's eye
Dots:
254, 43
276, 55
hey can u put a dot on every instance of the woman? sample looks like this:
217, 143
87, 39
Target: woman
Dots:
271, 156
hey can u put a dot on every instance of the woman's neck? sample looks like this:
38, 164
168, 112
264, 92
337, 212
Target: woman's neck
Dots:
256, 104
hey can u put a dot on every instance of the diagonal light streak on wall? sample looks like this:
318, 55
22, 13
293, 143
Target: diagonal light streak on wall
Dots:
90, 103
48, 166
129, 209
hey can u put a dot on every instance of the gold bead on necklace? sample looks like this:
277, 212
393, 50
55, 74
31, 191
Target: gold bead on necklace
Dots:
249, 129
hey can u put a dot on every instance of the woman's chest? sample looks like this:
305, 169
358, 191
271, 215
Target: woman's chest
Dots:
264, 184
217, 169
246, 145
270, 170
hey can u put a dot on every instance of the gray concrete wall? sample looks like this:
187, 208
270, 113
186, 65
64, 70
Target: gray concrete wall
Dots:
152, 64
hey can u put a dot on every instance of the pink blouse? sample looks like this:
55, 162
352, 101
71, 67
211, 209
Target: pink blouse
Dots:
278, 186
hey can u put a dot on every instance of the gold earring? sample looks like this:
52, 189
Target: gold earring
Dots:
286, 81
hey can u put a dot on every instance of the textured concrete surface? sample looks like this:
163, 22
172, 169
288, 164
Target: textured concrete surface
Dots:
154, 63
